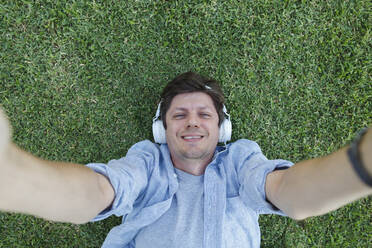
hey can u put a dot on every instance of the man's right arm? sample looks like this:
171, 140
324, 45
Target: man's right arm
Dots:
54, 191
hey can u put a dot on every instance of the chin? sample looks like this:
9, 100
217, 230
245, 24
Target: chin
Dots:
195, 154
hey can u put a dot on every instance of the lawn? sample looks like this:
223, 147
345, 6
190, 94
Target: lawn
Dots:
80, 82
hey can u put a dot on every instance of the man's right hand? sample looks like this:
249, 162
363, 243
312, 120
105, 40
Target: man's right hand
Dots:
5, 134
52, 190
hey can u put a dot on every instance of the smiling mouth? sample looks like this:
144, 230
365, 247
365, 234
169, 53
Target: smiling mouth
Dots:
192, 138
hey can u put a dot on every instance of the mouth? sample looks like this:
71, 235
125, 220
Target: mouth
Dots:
192, 138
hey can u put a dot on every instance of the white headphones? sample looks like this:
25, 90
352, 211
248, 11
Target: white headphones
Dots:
158, 129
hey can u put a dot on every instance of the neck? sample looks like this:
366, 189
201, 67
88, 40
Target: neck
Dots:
194, 167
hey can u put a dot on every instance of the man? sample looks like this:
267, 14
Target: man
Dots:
187, 192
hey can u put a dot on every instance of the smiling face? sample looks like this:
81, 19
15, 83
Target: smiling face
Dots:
192, 128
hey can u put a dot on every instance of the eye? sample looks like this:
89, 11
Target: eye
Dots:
178, 116
205, 115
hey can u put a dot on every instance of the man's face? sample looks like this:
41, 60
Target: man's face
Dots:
192, 127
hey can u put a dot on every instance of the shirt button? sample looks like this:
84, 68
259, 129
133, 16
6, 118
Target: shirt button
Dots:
175, 175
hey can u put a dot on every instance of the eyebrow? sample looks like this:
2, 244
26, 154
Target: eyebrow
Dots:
185, 109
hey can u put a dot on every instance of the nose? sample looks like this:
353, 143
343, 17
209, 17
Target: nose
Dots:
193, 121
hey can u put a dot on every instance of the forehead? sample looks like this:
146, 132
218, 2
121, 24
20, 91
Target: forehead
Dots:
189, 101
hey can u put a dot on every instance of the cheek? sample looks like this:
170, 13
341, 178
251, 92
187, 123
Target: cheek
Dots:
211, 125
216, 130
172, 129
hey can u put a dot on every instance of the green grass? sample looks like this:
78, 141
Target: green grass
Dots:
80, 81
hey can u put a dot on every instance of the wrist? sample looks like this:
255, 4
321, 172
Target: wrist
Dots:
359, 162
365, 151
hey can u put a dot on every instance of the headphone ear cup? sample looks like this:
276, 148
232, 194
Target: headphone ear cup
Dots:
225, 131
158, 131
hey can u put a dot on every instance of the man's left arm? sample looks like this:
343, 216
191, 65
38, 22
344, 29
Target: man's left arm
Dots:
318, 186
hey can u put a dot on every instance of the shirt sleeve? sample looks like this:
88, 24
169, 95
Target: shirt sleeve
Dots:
252, 175
128, 177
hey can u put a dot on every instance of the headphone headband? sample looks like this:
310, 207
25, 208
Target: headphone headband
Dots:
157, 112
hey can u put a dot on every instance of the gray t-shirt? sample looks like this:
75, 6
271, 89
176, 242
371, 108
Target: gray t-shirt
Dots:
182, 225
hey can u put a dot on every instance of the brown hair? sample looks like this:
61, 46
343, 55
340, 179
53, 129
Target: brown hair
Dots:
192, 82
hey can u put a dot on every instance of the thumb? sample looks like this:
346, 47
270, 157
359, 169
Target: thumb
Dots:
4, 131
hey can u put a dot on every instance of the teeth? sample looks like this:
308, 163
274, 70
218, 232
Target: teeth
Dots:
192, 137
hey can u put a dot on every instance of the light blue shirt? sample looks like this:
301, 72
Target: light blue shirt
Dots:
145, 183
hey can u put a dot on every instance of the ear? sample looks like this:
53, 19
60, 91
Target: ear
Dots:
225, 128
158, 132
225, 131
